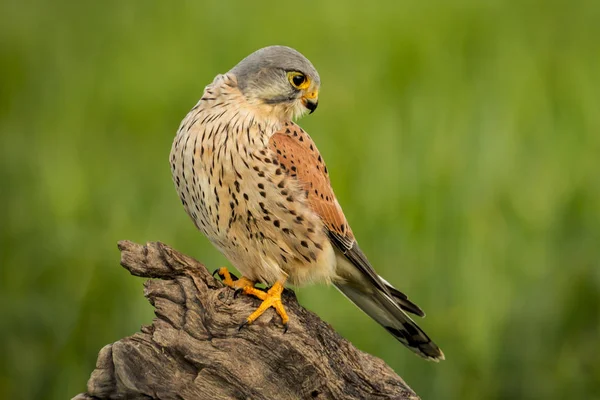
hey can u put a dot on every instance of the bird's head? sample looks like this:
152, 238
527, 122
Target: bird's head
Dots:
280, 81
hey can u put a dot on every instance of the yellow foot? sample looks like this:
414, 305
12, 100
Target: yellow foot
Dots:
270, 298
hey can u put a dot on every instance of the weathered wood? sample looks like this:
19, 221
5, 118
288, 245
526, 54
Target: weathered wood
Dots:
194, 350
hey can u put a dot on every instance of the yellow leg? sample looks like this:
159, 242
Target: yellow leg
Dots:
270, 298
234, 283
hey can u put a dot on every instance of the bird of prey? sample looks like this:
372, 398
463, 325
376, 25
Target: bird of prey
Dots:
255, 184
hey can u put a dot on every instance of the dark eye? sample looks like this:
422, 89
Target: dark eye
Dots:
298, 80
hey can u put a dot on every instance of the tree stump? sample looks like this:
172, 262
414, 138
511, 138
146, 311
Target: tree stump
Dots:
194, 350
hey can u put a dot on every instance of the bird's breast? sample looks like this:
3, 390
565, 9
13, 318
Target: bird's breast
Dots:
236, 193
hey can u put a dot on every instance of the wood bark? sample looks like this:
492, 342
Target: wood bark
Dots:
194, 350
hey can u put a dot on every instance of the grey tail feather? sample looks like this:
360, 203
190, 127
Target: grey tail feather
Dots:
387, 312
402, 300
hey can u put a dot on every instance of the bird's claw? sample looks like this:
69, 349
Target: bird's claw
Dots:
270, 298
243, 324
226, 277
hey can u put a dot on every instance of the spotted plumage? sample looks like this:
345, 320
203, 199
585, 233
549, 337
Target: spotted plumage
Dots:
256, 185
241, 197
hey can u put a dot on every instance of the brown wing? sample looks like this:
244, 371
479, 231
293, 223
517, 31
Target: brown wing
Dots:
298, 155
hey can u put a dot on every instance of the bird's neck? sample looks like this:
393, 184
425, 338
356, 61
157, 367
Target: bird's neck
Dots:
224, 120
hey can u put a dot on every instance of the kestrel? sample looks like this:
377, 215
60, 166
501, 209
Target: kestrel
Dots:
255, 184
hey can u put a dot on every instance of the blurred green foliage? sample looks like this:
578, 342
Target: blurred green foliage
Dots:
463, 140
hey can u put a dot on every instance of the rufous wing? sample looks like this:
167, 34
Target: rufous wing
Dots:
298, 155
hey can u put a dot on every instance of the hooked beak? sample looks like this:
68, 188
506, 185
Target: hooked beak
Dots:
310, 100
311, 105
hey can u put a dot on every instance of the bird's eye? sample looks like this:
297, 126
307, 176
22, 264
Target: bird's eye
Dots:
298, 80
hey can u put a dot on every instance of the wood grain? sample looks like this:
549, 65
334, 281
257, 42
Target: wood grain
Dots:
193, 349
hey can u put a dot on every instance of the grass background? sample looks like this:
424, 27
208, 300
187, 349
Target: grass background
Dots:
463, 140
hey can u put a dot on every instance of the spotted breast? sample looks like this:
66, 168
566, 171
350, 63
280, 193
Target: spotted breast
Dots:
235, 170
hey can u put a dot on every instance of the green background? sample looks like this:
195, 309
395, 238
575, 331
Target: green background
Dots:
463, 141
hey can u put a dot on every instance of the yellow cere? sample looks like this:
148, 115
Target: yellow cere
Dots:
312, 95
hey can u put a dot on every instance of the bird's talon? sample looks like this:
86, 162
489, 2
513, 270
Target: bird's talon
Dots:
270, 298
285, 328
242, 325
230, 279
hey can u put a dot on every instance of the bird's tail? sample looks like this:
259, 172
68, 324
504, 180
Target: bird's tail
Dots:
386, 309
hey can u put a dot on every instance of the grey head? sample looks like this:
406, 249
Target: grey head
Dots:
278, 75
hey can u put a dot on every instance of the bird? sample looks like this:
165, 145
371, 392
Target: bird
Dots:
253, 181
